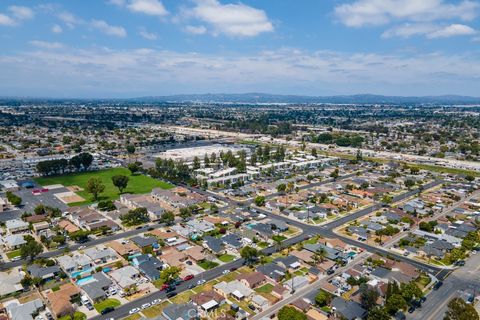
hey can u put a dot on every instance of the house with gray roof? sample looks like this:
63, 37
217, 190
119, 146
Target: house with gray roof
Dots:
96, 288
214, 244
149, 266
186, 311
45, 273
349, 310
101, 254
25, 311
272, 271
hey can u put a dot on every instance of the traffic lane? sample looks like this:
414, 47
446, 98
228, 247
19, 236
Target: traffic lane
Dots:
208, 275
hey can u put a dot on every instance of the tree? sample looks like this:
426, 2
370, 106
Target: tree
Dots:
378, 313
170, 274
290, 313
334, 174
470, 178
206, 161
196, 163
13, 198
130, 149
133, 167
259, 201
185, 213
387, 199
319, 255
249, 254
120, 181
167, 217
394, 303
31, 249
458, 309
359, 155
79, 236
409, 183
281, 187
323, 298
86, 159
95, 186
135, 217
75, 162
368, 297
410, 291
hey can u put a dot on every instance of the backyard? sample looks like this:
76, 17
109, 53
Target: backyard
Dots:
137, 183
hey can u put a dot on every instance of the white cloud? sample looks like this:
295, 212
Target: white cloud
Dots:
408, 30
46, 45
110, 30
147, 35
69, 19
21, 12
150, 7
231, 19
106, 71
57, 29
452, 31
429, 30
6, 20
196, 29
16, 15
379, 12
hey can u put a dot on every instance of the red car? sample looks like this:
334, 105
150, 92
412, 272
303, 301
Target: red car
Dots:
164, 287
44, 190
189, 277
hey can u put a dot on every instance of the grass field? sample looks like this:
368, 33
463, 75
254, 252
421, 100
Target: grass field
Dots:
106, 304
137, 184
13, 254
226, 258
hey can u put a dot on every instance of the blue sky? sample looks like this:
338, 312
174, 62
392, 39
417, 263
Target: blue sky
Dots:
130, 48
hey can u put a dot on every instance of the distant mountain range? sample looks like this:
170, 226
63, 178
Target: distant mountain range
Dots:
343, 99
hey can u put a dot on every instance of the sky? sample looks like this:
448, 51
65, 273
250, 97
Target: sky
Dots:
134, 48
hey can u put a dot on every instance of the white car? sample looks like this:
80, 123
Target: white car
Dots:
145, 305
156, 301
134, 310
200, 282
226, 272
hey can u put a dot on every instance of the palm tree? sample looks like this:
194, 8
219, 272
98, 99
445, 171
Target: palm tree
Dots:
319, 255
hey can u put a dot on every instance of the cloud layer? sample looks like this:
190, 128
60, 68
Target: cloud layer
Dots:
101, 72
420, 17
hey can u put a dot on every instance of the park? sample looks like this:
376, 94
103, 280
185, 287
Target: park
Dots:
137, 183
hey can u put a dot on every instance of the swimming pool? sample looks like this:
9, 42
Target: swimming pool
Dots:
84, 281
80, 273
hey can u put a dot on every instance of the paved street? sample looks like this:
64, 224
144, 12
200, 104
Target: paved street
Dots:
464, 278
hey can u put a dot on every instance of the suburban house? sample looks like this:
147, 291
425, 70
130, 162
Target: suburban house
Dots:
60, 302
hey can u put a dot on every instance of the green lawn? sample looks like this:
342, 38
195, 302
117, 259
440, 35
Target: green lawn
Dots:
137, 184
76, 316
278, 238
106, 304
267, 288
13, 254
226, 258
207, 264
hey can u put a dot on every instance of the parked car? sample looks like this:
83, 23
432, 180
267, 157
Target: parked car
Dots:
189, 277
171, 294
107, 310
437, 285
134, 310
201, 281
146, 305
